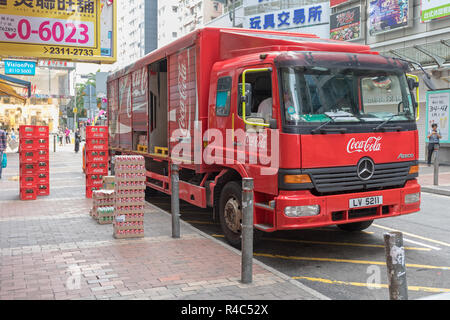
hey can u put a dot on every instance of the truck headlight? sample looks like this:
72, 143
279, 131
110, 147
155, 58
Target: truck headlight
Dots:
302, 211
412, 198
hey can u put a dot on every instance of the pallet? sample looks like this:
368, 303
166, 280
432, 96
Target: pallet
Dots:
162, 151
141, 148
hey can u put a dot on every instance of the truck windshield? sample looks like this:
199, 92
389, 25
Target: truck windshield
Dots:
345, 95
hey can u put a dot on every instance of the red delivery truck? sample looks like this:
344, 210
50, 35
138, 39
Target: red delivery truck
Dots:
325, 128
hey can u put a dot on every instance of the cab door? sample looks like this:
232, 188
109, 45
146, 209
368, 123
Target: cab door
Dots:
256, 144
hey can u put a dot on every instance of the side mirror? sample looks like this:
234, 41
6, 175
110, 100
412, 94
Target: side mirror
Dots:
412, 84
248, 99
273, 124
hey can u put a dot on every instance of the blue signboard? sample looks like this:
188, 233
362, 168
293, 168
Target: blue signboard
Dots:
25, 68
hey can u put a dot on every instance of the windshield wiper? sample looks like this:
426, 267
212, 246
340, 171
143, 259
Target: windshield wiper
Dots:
379, 127
320, 128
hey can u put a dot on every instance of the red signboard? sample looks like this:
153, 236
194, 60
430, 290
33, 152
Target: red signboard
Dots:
334, 3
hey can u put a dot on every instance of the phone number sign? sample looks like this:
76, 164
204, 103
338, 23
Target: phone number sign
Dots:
54, 29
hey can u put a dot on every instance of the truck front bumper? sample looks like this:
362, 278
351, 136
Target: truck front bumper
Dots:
335, 209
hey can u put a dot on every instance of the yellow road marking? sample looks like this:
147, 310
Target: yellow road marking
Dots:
332, 243
382, 263
371, 285
351, 244
413, 235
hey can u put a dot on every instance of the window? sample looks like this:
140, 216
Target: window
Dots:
260, 105
223, 97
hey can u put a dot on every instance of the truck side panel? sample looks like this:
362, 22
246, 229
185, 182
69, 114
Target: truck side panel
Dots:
183, 104
113, 113
139, 99
125, 112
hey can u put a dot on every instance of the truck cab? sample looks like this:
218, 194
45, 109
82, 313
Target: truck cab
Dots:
346, 136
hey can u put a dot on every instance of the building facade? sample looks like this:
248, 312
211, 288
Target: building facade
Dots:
177, 18
137, 30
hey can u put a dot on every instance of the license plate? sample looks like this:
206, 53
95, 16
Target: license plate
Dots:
365, 202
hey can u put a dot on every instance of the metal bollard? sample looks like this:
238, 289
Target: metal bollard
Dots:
395, 261
54, 143
247, 231
436, 166
175, 201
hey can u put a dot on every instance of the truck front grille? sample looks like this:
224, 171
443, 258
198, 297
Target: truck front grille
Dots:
345, 179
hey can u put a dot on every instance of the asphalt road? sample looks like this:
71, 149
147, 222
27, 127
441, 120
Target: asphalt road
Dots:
351, 266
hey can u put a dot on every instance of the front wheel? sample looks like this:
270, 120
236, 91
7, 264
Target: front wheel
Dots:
230, 214
355, 226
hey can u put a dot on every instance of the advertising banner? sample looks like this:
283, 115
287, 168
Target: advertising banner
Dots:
346, 25
52, 29
388, 15
434, 9
293, 18
438, 112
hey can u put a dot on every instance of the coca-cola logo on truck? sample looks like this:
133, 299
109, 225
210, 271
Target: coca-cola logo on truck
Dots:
184, 112
371, 144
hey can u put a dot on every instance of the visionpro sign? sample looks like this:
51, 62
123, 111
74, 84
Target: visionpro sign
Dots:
26, 68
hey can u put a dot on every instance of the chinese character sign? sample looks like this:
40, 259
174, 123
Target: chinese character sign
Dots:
53, 29
317, 14
438, 112
434, 9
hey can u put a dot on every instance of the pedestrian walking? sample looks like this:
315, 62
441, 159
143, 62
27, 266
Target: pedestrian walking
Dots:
67, 133
3, 140
433, 140
60, 136
77, 140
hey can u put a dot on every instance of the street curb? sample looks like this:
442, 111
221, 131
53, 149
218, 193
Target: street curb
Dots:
441, 192
283, 276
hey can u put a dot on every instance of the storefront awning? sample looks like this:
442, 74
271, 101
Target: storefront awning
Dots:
7, 90
7, 83
434, 54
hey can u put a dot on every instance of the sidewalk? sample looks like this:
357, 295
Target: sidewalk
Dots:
51, 248
426, 179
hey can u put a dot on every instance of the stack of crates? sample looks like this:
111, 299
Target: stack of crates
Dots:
103, 206
129, 188
96, 157
34, 162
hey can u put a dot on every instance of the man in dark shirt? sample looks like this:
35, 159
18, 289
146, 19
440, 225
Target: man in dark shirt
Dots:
433, 140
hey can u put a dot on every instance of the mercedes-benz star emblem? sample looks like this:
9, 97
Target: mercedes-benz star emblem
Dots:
365, 169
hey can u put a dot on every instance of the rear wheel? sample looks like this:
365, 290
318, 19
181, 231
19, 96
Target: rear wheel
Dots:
230, 214
355, 226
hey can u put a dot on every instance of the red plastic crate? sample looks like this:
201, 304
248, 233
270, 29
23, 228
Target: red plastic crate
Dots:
28, 144
42, 167
42, 144
97, 156
94, 180
42, 155
26, 131
43, 189
28, 156
97, 144
28, 169
43, 178
97, 168
28, 181
28, 194
41, 131
89, 190
96, 132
